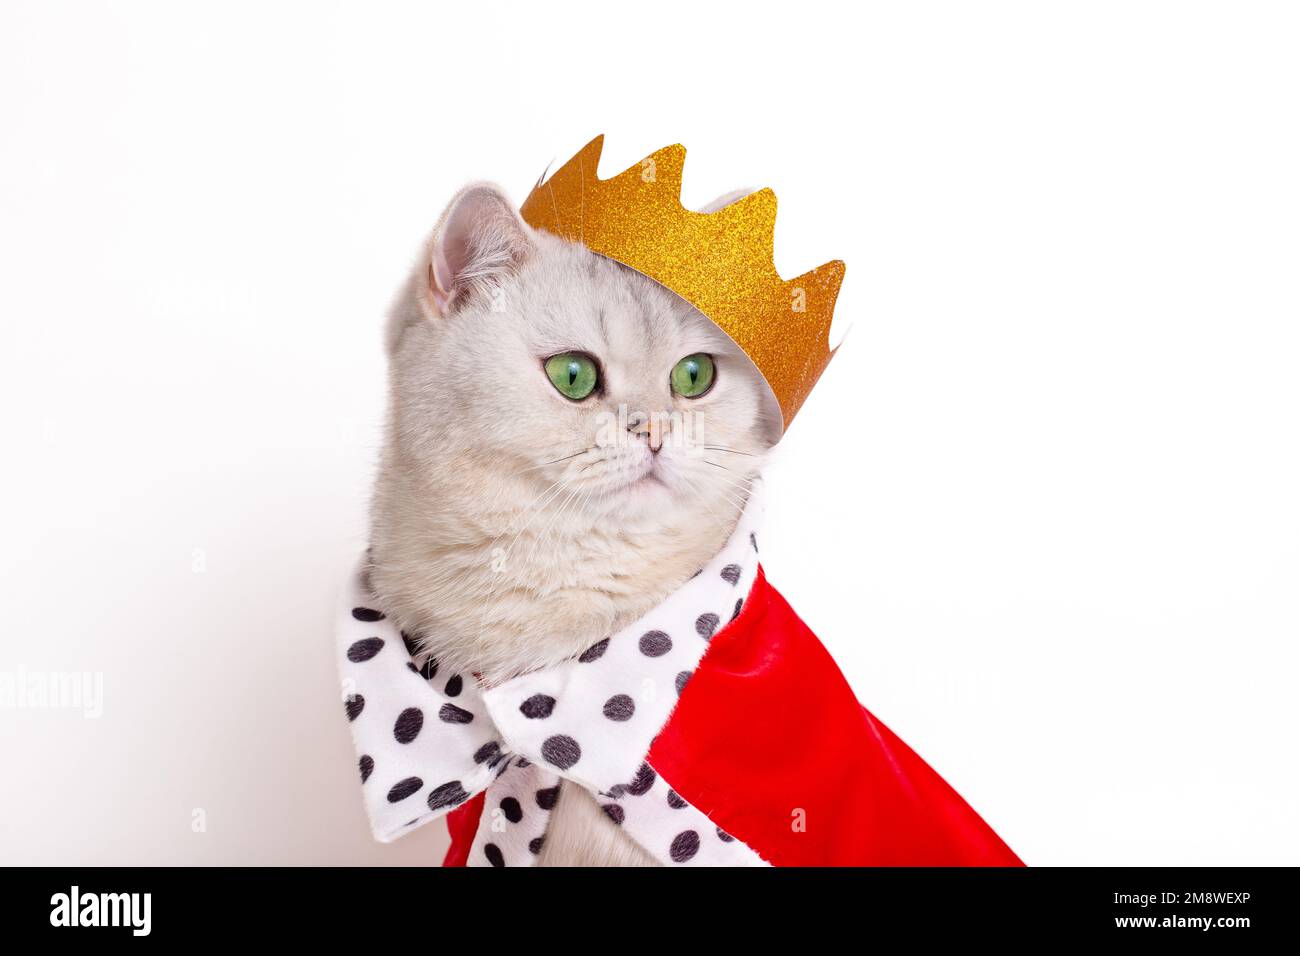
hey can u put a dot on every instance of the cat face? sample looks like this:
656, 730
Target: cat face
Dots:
575, 375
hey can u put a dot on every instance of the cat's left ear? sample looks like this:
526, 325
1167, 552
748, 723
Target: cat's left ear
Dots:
479, 239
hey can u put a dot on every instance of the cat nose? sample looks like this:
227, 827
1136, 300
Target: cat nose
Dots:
642, 425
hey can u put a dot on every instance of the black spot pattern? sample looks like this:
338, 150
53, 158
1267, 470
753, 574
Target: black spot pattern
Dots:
408, 725
451, 714
655, 644
620, 707
685, 845
644, 780
426, 670
354, 705
706, 624
365, 649
537, 706
447, 795
561, 750
404, 788
511, 808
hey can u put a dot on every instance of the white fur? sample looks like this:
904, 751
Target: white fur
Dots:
512, 527
581, 834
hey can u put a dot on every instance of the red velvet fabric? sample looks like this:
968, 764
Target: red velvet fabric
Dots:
769, 741
462, 824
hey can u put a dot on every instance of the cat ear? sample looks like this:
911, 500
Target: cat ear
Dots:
479, 238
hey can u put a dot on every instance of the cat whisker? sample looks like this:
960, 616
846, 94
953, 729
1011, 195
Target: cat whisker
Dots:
730, 471
733, 499
700, 495
553, 490
736, 478
533, 509
555, 461
541, 536
730, 451
742, 488
730, 498
736, 481
539, 509
727, 468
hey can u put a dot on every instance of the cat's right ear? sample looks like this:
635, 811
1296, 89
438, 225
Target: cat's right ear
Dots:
479, 239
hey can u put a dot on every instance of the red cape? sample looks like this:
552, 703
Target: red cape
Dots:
770, 742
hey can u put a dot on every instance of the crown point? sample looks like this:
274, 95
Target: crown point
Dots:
662, 169
754, 218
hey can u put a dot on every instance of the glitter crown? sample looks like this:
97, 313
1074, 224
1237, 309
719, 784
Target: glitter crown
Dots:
720, 262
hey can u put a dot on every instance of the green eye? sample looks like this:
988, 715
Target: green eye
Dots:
573, 374
693, 375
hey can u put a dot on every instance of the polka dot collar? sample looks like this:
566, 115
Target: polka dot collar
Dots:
428, 741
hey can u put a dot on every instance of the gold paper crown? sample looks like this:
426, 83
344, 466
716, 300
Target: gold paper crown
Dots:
720, 262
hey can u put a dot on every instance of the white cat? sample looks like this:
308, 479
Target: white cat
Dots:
568, 442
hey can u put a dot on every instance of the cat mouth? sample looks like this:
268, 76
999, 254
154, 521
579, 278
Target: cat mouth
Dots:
649, 479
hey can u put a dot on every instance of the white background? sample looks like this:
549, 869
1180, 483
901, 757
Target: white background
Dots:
1043, 506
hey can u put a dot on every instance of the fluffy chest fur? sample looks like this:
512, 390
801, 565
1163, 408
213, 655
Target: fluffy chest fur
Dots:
581, 834
501, 588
